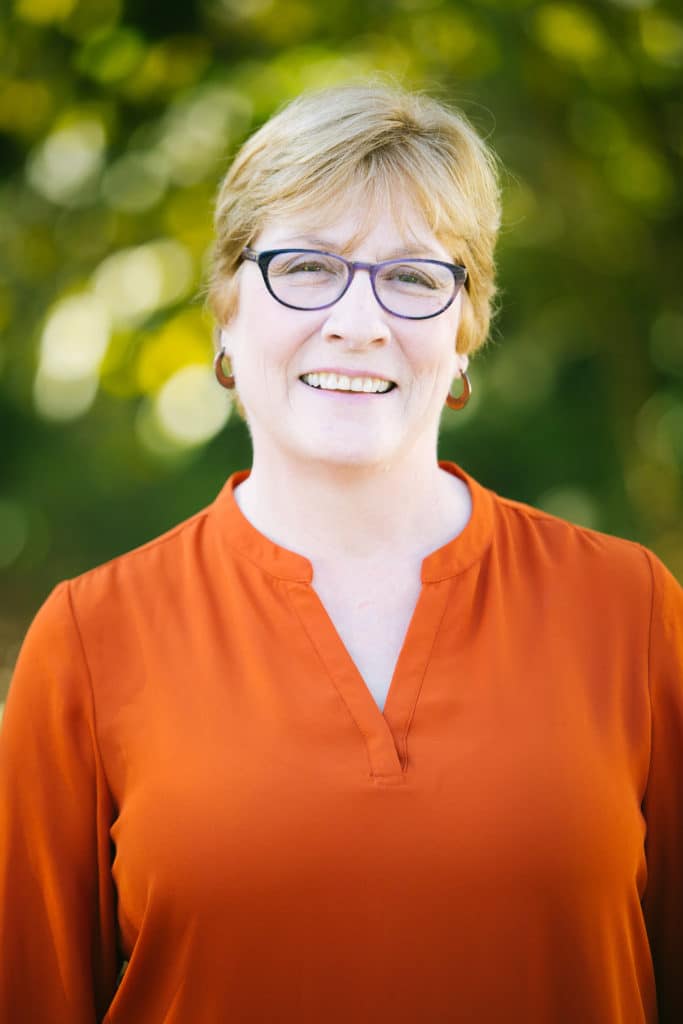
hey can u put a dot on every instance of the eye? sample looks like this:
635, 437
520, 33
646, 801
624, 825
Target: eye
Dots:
411, 276
306, 265
309, 267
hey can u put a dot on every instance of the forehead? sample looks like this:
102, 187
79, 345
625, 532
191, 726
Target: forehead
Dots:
351, 220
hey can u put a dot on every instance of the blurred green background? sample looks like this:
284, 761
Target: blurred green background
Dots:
116, 123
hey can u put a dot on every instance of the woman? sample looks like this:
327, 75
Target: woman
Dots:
360, 741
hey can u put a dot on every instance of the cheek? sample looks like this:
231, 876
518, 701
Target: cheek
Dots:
434, 351
278, 339
266, 352
438, 338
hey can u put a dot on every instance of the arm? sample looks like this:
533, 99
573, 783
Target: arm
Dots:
57, 924
663, 803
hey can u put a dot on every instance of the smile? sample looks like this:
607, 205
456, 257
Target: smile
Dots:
339, 382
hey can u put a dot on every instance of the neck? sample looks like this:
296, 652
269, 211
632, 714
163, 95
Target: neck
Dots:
328, 513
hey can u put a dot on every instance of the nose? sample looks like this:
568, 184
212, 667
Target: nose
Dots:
357, 317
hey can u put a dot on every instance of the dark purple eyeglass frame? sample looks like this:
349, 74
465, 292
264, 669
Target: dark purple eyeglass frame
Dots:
264, 259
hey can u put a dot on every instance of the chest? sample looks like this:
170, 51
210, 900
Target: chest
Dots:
372, 623
500, 747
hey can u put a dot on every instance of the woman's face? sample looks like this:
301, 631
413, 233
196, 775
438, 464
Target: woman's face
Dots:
272, 347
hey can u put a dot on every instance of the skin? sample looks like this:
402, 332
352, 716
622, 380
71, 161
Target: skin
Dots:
350, 481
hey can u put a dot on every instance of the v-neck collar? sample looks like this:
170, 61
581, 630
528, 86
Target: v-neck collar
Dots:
384, 733
238, 534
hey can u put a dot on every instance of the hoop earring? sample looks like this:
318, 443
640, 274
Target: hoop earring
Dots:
461, 402
225, 380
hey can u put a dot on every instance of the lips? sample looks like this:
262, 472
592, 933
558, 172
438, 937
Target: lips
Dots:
349, 383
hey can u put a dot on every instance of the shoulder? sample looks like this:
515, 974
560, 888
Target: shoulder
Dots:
149, 573
562, 539
559, 553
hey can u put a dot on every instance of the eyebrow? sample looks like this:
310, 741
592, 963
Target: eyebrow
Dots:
401, 252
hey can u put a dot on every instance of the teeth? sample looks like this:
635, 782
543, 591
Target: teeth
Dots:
340, 382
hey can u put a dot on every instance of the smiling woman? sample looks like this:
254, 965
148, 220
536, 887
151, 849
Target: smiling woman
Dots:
361, 740
339, 328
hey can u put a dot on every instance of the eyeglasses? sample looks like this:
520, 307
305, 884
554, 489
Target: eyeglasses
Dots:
414, 289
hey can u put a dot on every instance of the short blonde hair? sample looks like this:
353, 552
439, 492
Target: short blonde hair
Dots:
381, 141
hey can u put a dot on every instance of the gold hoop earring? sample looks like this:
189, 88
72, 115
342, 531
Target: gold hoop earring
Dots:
225, 380
459, 403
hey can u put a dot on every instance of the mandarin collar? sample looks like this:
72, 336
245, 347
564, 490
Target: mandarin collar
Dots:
239, 537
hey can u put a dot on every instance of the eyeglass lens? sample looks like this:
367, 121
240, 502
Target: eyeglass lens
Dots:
414, 288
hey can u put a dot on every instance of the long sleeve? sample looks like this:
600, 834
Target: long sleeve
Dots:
663, 804
195, 775
57, 933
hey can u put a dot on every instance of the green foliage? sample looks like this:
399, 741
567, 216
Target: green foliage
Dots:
116, 123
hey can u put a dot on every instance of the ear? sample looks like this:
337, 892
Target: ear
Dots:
221, 339
462, 361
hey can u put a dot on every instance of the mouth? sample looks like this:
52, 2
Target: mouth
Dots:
352, 385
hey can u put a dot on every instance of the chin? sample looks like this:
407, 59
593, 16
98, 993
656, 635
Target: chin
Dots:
350, 456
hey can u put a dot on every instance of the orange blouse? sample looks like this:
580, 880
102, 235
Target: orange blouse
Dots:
195, 778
